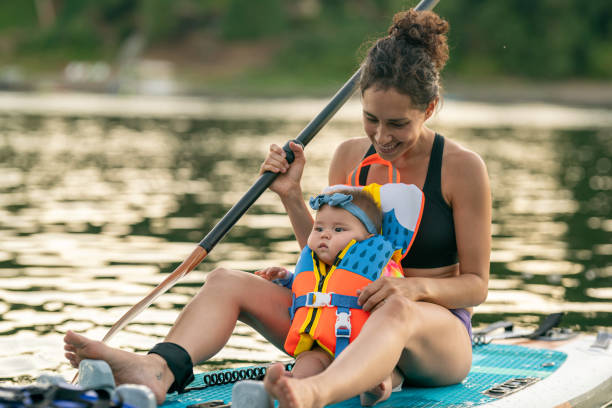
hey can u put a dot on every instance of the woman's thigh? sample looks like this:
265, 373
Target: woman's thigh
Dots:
439, 349
262, 304
228, 296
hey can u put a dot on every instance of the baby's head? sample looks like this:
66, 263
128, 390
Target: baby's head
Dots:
342, 215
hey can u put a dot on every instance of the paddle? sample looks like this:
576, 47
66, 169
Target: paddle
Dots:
234, 214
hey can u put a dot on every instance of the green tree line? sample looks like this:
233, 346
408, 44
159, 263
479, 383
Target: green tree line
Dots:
536, 39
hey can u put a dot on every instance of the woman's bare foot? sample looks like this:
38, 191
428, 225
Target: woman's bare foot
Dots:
150, 370
377, 394
290, 392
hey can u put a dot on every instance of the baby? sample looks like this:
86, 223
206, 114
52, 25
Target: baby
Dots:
344, 218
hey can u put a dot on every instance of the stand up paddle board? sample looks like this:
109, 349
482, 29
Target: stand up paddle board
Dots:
514, 372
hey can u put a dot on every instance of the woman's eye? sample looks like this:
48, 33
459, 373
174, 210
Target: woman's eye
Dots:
398, 125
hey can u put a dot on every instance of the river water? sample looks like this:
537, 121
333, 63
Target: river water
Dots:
101, 197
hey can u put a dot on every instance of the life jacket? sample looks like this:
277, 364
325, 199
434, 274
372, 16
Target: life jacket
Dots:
324, 306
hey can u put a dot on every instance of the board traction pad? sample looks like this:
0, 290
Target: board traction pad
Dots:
492, 365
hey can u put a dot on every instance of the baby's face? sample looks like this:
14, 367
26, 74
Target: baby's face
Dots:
333, 229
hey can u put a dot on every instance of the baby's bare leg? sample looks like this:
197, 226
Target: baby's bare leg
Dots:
311, 362
382, 391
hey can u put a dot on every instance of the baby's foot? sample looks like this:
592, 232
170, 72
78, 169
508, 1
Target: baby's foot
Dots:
290, 392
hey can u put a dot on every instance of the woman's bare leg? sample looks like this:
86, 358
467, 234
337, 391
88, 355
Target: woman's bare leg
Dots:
430, 344
150, 370
202, 328
229, 296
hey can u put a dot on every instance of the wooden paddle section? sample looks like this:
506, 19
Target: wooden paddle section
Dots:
193, 260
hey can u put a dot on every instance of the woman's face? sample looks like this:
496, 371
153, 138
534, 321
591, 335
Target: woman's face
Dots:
391, 122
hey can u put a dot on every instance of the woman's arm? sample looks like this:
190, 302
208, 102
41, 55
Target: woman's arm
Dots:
470, 199
299, 215
287, 186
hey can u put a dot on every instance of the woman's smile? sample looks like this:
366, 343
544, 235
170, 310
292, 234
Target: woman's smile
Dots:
387, 148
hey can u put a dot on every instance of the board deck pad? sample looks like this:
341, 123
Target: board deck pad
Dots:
497, 370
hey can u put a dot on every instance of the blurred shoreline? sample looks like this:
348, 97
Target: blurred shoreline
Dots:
595, 94
163, 81
454, 111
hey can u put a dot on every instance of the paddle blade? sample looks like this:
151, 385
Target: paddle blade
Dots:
183, 269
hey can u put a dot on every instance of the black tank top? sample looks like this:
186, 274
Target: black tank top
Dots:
435, 244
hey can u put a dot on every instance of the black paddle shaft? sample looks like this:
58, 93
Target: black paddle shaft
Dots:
306, 135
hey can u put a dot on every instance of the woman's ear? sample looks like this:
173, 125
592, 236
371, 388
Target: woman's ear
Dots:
431, 108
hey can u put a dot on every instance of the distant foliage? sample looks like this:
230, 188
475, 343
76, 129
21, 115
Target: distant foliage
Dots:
540, 39
249, 20
549, 39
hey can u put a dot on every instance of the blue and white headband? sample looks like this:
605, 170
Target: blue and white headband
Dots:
343, 201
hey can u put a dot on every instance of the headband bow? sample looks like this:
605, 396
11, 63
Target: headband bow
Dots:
343, 201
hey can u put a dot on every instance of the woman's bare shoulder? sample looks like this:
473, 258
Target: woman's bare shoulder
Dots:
347, 155
353, 148
463, 169
460, 158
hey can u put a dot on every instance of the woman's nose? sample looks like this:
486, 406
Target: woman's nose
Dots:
382, 134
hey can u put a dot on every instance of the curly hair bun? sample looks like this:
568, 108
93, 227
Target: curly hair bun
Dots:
422, 29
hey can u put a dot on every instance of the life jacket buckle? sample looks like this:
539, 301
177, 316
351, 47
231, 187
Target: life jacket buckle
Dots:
318, 299
343, 324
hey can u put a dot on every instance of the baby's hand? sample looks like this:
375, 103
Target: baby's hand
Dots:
273, 272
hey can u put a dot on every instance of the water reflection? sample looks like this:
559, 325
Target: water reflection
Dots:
94, 211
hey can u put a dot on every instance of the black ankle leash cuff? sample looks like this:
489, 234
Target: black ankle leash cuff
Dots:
179, 362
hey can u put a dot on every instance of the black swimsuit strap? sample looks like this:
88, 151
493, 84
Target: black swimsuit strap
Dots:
363, 175
433, 180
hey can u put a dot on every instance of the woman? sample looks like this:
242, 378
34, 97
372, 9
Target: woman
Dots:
419, 328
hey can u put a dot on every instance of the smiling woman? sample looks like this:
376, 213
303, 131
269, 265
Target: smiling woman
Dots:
435, 295
425, 315
534, 238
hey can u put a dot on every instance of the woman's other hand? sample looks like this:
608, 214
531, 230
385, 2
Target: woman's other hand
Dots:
373, 296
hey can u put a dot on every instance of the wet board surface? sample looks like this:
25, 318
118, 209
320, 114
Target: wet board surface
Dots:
501, 374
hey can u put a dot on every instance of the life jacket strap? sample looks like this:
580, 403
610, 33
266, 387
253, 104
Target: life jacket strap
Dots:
354, 178
342, 328
322, 299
